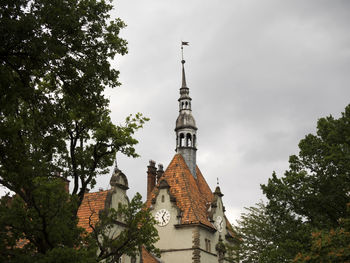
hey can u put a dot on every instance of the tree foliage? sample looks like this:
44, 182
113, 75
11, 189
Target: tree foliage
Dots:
138, 229
306, 208
329, 245
260, 231
49, 225
316, 187
54, 119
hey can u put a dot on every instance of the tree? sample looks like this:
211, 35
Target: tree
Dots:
54, 119
305, 217
315, 189
139, 230
48, 225
316, 186
329, 246
260, 232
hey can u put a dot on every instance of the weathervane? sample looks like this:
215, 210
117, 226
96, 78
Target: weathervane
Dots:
217, 181
183, 43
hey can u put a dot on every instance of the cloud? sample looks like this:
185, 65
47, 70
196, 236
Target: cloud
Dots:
260, 74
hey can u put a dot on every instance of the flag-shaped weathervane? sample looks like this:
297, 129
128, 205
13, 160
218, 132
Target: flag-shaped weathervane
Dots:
183, 43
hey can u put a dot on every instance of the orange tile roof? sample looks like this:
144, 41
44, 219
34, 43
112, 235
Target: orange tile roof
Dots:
148, 257
90, 207
192, 195
230, 228
203, 186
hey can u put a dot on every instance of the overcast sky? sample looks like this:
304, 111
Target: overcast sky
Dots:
260, 73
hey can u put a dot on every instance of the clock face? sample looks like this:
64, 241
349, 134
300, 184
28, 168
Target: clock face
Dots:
162, 217
219, 223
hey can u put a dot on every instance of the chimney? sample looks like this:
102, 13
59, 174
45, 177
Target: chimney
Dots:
151, 177
160, 172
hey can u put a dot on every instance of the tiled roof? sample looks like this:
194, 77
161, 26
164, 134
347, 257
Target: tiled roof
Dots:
192, 195
148, 257
203, 186
230, 228
90, 207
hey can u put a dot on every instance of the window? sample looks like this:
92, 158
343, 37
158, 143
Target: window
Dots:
162, 198
207, 245
188, 140
182, 140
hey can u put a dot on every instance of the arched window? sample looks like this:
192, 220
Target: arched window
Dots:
186, 104
182, 105
194, 140
182, 139
188, 140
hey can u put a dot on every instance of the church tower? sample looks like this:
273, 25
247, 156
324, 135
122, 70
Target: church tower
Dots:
186, 139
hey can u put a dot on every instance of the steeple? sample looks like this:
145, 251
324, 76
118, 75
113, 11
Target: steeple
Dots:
184, 85
186, 138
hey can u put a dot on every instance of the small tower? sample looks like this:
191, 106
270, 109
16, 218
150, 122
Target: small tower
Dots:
186, 139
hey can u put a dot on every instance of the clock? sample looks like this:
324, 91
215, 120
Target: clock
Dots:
162, 217
219, 223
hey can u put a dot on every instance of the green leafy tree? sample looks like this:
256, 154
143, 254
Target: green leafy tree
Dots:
317, 185
315, 190
233, 250
48, 225
329, 246
138, 228
260, 232
54, 120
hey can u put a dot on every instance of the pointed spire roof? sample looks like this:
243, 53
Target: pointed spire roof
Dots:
184, 85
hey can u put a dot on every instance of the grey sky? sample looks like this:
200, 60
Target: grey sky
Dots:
260, 74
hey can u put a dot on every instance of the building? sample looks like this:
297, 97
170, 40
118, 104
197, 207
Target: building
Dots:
192, 225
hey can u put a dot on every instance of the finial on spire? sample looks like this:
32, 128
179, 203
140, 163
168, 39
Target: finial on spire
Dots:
217, 181
183, 43
184, 84
115, 164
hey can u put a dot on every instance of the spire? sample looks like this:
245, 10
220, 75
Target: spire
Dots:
184, 85
115, 170
186, 127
